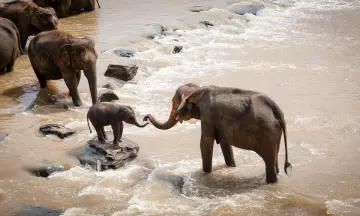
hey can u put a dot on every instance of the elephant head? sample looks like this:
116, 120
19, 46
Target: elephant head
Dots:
87, 5
181, 92
76, 56
127, 114
41, 19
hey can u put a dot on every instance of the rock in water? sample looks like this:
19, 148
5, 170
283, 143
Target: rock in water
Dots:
108, 156
199, 8
206, 23
55, 129
36, 211
3, 136
121, 72
108, 96
241, 9
124, 53
176, 49
45, 171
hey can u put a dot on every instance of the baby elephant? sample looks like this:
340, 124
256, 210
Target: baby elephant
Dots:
107, 113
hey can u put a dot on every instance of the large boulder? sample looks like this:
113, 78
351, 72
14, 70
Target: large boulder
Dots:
241, 8
108, 96
105, 156
122, 72
57, 130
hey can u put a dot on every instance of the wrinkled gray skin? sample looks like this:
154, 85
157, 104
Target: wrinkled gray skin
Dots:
58, 55
108, 113
10, 47
236, 117
29, 18
183, 90
66, 8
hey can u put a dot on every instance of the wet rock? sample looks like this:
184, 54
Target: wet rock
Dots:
124, 53
122, 72
176, 49
105, 156
108, 86
176, 181
57, 130
45, 171
199, 8
3, 135
241, 9
108, 96
156, 30
36, 211
206, 23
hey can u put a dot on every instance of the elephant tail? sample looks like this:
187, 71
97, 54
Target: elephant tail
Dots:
279, 115
88, 123
98, 3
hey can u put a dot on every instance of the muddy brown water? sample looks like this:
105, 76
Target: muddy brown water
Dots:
304, 54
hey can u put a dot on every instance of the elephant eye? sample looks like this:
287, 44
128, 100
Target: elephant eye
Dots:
189, 106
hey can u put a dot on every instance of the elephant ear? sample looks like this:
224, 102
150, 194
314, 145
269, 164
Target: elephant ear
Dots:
191, 99
64, 55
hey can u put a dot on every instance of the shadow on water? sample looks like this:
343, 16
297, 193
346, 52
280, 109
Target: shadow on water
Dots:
221, 182
27, 97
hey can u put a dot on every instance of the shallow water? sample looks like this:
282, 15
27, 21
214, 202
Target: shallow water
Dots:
304, 54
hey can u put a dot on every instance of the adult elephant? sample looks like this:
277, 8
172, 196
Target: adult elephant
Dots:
29, 18
182, 91
10, 47
234, 117
58, 55
65, 8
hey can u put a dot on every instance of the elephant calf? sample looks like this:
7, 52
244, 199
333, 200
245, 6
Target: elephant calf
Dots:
107, 113
10, 47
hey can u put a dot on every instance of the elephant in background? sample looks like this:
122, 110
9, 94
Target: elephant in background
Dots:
108, 113
29, 18
65, 8
58, 55
10, 46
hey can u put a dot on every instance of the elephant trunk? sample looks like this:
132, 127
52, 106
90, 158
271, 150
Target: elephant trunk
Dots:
171, 122
91, 77
137, 124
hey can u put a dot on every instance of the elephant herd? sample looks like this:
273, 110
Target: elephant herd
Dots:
229, 116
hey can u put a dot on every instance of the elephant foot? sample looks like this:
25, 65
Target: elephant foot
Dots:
117, 146
77, 103
101, 141
271, 176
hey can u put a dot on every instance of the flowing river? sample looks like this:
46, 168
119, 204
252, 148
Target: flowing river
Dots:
305, 54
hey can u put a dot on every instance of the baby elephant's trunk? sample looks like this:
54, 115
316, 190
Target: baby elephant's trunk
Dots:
139, 125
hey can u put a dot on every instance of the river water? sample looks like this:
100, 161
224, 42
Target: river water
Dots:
302, 53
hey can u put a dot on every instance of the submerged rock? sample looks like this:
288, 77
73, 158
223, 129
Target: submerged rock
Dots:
57, 130
156, 30
105, 156
108, 96
241, 8
199, 8
36, 211
176, 49
124, 53
206, 23
176, 181
45, 171
122, 72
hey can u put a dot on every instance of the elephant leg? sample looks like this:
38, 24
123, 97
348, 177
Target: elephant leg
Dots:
269, 157
100, 135
10, 66
228, 154
115, 127
104, 134
39, 76
71, 83
207, 145
277, 154
121, 129
78, 76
